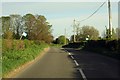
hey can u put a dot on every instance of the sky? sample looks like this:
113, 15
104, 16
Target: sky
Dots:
60, 14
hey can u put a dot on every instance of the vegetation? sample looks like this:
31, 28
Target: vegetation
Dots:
105, 47
16, 52
118, 32
0, 58
87, 38
86, 32
19, 53
36, 27
115, 35
109, 48
56, 45
61, 40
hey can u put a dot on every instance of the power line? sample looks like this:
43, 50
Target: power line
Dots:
93, 13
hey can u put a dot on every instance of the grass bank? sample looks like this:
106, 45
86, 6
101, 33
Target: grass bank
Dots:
20, 53
0, 57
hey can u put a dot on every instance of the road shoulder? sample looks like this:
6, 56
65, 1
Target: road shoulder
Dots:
27, 64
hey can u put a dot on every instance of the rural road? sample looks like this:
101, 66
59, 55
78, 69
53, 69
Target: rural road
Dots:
71, 63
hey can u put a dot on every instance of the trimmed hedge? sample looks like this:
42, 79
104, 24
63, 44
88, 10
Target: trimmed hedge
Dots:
109, 48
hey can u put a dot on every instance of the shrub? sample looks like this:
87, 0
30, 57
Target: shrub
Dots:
19, 45
27, 43
7, 44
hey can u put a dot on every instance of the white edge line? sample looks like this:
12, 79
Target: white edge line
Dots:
76, 63
83, 75
80, 70
69, 53
72, 57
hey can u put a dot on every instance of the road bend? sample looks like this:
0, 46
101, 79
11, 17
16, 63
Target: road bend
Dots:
56, 63
72, 63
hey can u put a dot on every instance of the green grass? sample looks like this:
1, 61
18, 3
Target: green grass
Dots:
12, 59
0, 57
56, 45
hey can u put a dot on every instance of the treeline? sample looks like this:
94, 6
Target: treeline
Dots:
85, 33
91, 33
36, 27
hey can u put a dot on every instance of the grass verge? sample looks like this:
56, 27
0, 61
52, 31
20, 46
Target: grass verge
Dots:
56, 45
12, 59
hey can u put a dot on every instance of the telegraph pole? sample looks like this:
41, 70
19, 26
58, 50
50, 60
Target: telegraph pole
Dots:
74, 40
110, 18
65, 36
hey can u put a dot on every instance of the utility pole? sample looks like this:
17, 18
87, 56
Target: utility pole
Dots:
74, 40
65, 37
110, 18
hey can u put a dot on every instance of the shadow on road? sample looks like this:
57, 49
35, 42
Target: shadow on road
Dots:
95, 66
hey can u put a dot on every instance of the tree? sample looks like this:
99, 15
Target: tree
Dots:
29, 23
6, 28
91, 31
118, 33
61, 40
17, 25
114, 34
87, 32
0, 27
38, 28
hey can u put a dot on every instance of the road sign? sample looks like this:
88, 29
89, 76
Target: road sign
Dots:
24, 34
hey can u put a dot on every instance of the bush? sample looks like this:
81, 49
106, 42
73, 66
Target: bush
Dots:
37, 42
19, 45
112, 45
7, 44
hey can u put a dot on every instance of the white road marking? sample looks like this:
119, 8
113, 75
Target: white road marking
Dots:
76, 63
72, 57
69, 53
80, 70
83, 75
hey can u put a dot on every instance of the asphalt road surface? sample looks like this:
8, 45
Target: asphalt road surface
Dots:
71, 63
96, 66
54, 64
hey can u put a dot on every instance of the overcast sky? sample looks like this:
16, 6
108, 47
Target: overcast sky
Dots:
61, 14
